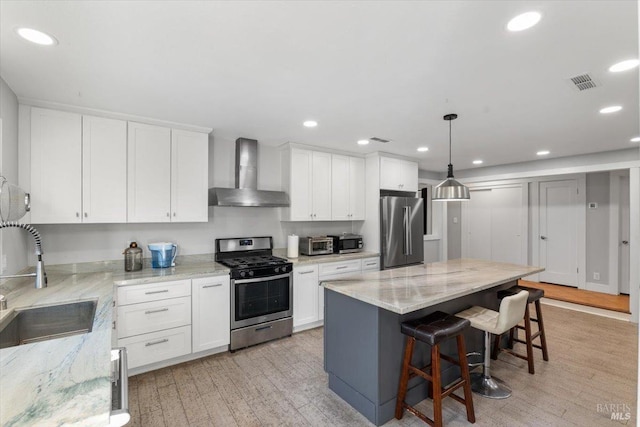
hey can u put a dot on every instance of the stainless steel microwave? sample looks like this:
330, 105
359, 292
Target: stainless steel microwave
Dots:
318, 245
347, 243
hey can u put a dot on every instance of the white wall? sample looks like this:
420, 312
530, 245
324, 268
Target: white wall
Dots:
14, 243
597, 235
86, 242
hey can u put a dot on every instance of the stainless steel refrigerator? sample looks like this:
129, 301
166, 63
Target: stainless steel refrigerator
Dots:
402, 224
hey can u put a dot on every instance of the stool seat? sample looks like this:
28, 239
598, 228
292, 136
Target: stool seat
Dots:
534, 294
435, 327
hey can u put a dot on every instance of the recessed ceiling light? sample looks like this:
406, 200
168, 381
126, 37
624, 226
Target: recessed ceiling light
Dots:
423, 149
310, 124
611, 109
635, 139
37, 37
524, 21
477, 162
363, 142
624, 65
543, 152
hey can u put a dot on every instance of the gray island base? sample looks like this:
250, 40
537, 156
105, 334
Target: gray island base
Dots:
363, 345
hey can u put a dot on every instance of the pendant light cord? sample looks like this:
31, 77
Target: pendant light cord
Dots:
450, 167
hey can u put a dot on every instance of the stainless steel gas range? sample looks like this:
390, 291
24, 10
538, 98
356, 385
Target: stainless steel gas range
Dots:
261, 290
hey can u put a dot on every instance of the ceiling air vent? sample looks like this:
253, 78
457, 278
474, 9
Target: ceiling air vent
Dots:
583, 82
376, 139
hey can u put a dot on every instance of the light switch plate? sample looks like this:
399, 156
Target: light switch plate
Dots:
593, 205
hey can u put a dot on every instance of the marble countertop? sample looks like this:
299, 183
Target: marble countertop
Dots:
320, 259
407, 289
65, 381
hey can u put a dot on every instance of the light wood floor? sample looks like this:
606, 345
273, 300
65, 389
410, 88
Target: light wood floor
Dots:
282, 383
618, 303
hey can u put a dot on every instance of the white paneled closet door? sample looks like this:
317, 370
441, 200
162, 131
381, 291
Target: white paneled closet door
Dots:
558, 243
494, 224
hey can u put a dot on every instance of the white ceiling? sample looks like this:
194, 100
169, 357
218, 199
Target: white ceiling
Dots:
360, 68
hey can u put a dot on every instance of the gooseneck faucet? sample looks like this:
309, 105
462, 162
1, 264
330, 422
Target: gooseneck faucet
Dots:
40, 274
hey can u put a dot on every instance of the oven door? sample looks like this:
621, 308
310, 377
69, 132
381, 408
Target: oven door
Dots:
255, 301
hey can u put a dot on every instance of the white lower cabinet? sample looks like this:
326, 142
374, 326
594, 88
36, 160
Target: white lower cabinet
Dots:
211, 312
155, 347
305, 295
308, 295
158, 322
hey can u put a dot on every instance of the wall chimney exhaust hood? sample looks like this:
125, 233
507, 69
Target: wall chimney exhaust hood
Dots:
246, 192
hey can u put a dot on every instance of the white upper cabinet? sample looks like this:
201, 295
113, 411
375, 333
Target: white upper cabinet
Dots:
56, 167
309, 185
321, 186
398, 174
189, 176
347, 188
104, 170
149, 178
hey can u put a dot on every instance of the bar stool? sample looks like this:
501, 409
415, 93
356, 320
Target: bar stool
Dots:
493, 322
432, 329
534, 297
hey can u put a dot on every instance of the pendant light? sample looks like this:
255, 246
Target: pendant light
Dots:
450, 189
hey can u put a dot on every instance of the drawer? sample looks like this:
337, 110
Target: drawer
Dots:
136, 319
157, 346
331, 268
134, 294
370, 264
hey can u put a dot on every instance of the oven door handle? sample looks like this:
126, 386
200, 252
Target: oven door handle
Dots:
261, 279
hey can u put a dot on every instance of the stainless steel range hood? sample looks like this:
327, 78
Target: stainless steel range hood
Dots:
246, 192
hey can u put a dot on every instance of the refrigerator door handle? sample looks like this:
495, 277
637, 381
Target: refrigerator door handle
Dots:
409, 232
405, 226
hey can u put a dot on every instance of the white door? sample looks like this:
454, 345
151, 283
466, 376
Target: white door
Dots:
300, 185
623, 245
189, 176
356, 188
479, 220
104, 174
506, 225
340, 187
56, 167
149, 177
321, 182
211, 323
559, 232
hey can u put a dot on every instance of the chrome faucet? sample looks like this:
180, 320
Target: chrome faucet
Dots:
40, 274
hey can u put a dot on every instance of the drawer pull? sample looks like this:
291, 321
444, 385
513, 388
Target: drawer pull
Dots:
371, 263
156, 342
156, 292
156, 311
306, 272
263, 328
212, 286
342, 267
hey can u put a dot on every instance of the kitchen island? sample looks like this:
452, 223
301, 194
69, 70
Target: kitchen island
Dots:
363, 344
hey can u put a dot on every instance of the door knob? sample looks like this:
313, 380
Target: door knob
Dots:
543, 237
625, 242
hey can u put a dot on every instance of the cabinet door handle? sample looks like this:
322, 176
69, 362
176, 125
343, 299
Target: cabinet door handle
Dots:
156, 342
156, 311
86, 214
543, 237
174, 214
306, 272
168, 215
342, 267
156, 292
212, 286
77, 214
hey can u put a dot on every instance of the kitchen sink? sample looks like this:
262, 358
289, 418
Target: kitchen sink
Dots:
47, 322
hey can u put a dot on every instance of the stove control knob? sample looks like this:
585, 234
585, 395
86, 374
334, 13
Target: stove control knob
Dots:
250, 273
242, 274
277, 269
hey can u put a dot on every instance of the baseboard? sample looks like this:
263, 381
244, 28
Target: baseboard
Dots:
177, 360
586, 309
600, 287
306, 326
